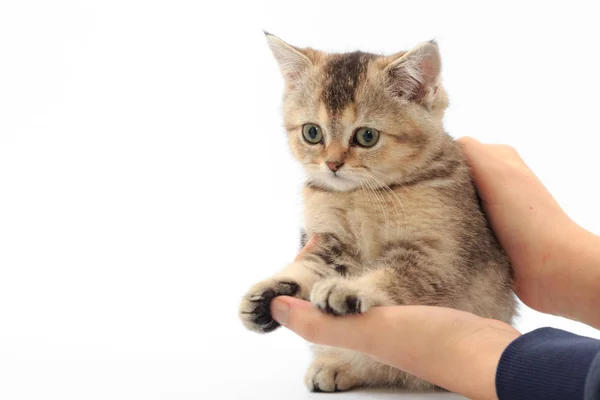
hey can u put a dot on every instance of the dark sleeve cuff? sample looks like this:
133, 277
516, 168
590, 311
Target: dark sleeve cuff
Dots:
547, 364
592, 384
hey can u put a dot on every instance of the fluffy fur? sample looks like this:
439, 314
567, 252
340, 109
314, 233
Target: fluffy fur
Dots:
397, 223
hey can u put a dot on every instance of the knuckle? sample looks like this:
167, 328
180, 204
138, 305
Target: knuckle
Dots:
466, 140
505, 151
509, 149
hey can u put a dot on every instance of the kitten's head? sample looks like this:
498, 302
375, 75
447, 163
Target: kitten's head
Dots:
361, 120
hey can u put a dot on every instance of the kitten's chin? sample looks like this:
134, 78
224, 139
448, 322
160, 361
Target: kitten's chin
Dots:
335, 183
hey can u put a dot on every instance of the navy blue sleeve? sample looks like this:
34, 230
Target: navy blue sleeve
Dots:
550, 364
592, 385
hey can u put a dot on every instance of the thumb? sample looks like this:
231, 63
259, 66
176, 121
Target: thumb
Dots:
307, 321
403, 330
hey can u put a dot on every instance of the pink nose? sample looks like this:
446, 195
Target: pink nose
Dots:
334, 165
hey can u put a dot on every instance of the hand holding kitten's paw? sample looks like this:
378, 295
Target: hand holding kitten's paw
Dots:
341, 297
255, 310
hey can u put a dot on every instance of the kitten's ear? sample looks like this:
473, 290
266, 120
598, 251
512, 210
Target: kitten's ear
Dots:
415, 74
291, 60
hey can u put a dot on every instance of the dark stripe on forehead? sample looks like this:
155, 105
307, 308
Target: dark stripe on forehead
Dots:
342, 75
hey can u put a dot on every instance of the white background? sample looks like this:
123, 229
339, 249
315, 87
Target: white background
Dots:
145, 182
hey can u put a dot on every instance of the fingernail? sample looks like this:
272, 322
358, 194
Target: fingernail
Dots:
280, 311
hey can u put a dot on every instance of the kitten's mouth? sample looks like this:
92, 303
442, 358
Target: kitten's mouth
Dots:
335, 175
336, 180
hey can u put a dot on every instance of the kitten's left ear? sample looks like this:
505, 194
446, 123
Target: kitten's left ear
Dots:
415, 74
291, 60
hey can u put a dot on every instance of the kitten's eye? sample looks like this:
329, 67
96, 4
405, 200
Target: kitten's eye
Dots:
312, 133
366, 137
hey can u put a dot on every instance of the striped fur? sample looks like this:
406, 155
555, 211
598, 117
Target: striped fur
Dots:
399, 223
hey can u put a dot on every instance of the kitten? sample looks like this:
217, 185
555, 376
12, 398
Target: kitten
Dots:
389, 203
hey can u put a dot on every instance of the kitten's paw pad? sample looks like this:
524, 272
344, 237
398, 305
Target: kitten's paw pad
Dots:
255, 308
340, 297
329, 378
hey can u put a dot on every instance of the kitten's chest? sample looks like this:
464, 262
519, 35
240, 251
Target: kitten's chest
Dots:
364, 223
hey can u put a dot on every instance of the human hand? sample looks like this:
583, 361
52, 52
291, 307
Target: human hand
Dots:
453, 349
555, 266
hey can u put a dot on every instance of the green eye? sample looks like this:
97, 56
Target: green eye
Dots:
366, 137
312, 133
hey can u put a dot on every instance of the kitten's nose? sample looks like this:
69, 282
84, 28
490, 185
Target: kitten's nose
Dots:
334, 165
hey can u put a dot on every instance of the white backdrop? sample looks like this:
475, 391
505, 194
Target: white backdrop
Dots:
145, 182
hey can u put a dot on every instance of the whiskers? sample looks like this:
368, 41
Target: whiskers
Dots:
378, 194
374, 189
380, 200
394, 181
370, 192
376, 184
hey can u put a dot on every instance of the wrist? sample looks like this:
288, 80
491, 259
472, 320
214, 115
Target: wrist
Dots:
483, 357
539, 258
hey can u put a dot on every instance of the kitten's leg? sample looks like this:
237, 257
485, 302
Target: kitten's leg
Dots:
407, 273
335, 370
323, 256
328, 373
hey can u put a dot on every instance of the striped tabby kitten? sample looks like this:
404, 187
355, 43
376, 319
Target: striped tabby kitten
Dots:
389, 203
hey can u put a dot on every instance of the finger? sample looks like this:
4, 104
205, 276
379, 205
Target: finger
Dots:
478, 158
306, 320
374, 332
476, 153
507, 153
494, 168
503, 151
480, 153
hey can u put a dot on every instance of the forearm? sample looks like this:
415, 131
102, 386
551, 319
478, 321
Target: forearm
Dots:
445, 348
574, 289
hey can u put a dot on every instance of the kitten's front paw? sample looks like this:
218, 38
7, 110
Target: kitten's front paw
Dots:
255, 311
340, 297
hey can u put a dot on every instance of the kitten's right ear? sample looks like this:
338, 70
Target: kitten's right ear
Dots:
291, 60
416, 73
